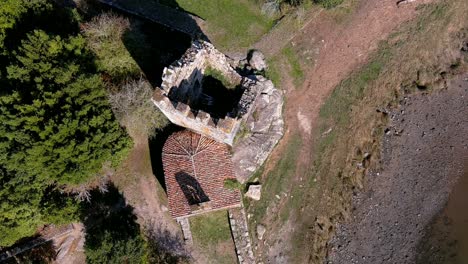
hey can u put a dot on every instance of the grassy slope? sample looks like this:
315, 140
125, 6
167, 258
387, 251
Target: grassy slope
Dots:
231, 24
391, 72
285, 64
212, 235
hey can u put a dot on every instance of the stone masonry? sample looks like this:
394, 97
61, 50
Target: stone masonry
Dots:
182, 81
240, 233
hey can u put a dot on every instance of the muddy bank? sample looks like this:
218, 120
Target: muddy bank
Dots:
446, 238
423, 157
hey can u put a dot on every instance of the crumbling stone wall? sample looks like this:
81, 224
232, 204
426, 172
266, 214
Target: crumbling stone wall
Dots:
181, 82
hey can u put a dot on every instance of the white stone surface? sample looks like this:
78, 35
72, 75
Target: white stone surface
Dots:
254, 192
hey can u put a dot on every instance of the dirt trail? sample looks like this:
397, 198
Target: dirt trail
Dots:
344, 47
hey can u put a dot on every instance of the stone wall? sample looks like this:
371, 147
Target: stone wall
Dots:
181, 82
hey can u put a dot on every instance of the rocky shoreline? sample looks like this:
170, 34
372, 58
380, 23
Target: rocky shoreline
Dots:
424, 151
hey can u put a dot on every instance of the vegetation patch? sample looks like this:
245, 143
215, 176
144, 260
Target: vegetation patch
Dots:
277, 182
240, 25
296, 71
212, 235
104, 37
232, 184
272, 72
57, 128
243, 132
329, 3
218, 75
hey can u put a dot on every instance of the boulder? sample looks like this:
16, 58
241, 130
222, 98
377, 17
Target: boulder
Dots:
257, 60
254, 192
260, 231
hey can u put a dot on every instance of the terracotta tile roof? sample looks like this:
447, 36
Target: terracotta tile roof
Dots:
195, 168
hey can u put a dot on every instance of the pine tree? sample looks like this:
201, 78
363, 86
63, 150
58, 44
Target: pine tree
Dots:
56, 125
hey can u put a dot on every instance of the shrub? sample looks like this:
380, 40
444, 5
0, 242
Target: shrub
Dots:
135, 111
104, 36
232, 184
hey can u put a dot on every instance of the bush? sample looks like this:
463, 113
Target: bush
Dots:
232, 184
135, 111
104, 36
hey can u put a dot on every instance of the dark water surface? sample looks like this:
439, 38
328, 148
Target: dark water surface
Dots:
457, 213
446, 239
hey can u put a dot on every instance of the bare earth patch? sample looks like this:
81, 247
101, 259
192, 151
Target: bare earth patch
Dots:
423, 157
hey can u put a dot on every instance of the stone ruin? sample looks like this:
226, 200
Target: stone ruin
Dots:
191, 98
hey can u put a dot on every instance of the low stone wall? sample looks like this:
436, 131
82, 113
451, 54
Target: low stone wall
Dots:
241, 236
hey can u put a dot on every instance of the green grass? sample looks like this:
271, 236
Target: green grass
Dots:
218, 75
296, 71
287, 59
231, 24
272, 72
330, 3
277, 180
211, 228
212, 234
232, 184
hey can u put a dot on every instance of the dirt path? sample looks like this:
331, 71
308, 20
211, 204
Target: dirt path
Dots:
344, 47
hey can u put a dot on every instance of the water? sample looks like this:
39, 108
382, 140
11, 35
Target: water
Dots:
446, 238
457, 213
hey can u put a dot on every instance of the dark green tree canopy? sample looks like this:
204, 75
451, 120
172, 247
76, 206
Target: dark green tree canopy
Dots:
55, 116
56, 125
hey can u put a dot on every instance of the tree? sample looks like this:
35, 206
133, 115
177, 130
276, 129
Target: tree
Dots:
56, 125
56, 117
112, 234
13, 10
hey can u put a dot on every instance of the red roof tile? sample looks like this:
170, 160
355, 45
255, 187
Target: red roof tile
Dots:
195, 168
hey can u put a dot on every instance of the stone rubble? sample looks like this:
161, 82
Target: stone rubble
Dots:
185, 225
260, 231
257, 60
254, 192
